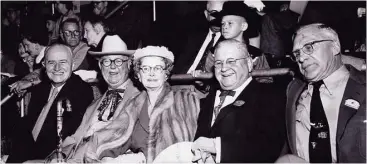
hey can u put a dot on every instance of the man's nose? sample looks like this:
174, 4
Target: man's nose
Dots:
113, 65
57, 67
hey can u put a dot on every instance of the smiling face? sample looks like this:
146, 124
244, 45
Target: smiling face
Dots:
233, 27
319, 64
154, 77
231, 75
114, 75
58, 64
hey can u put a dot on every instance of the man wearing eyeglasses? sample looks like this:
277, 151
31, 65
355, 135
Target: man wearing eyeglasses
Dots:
326, 109
235, 123
71, 35
113, 60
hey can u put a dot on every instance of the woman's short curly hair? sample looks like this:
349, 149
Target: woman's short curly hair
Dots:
168, 66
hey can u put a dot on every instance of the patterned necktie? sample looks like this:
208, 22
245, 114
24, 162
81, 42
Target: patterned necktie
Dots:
201, 65
42, 117
111, 101
319, 141
222, 97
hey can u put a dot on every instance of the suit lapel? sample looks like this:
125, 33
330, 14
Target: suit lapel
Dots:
293, 94
244, 96
206, 114
356, 91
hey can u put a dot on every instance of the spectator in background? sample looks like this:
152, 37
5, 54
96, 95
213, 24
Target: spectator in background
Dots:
51, 25
131, 22
11, 32
71, 35
278, 26
27, 64
65, 8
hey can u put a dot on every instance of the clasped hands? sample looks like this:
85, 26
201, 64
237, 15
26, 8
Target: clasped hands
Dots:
203, 148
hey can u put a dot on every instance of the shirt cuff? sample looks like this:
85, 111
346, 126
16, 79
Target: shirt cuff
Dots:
217, 149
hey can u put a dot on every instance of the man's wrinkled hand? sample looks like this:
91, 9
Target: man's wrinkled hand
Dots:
20, 87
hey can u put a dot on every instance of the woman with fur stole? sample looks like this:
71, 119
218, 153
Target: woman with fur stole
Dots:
155, 119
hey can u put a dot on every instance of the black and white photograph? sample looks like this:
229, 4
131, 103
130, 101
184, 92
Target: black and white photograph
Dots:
156, 81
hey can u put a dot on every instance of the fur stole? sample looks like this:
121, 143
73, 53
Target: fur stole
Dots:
173, 120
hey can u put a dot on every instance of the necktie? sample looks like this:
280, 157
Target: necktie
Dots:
201, 65
222, 97
319, 141
42, 117
111, 101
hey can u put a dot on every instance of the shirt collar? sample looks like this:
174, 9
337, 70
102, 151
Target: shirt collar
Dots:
123, 86
240, 88
333, 80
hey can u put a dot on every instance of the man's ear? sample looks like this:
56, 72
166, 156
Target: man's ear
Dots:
244, 26
99, 64
250, 64
335, 48
43, 63
206, 13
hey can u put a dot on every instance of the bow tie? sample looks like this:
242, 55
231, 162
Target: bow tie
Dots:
227, 93
115, 91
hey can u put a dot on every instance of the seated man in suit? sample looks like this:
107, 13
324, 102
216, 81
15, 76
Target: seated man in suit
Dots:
235, 125
113, 62
326, 108
36, 134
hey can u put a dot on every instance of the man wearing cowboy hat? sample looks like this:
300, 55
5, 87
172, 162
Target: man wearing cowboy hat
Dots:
114, 63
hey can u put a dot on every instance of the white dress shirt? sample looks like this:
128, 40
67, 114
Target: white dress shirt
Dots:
331, 94
228, 100
202, 49
40, 55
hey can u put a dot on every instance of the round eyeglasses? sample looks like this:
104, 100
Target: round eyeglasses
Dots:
230, 61
118, 62
307, 49
74, 33
148, 69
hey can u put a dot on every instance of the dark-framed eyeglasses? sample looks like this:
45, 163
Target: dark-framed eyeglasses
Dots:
229, 61
148, 69
307, 49
74, 33
118, 62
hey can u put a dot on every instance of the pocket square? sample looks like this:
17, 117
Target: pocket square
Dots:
352, 103
239, 103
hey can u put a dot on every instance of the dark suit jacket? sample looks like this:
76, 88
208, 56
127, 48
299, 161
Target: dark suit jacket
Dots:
80, 95
249, 132
351, 128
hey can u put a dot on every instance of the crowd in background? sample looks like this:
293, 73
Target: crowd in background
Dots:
31, 31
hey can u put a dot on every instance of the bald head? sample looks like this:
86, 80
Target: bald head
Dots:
58, 64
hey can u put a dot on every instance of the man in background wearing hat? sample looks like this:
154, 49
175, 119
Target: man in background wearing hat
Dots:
113, 60
36, 133
235, 125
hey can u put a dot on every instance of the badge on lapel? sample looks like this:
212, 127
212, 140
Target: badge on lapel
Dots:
239, 103
352, 103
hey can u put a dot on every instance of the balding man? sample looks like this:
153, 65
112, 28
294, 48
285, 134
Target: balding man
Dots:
326, 108
235, 123
36, 135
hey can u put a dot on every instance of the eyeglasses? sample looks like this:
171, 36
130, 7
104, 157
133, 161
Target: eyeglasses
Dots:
307, 49
230, 61
118, 62
148, 69
69, 33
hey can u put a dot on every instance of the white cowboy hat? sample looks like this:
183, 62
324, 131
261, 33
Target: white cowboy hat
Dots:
113, 45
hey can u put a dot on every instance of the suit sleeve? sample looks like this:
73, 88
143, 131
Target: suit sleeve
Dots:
265, 142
